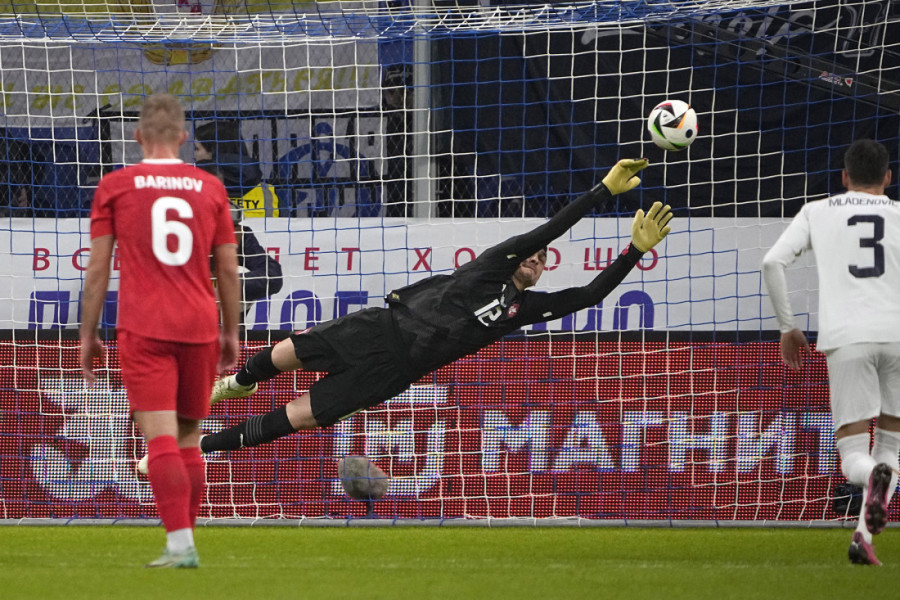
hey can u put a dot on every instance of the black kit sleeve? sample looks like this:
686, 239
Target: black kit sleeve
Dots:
526, 244
549, 306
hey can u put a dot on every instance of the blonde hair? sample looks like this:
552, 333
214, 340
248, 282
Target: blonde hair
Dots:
162, 119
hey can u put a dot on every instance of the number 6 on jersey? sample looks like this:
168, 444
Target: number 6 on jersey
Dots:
163, 228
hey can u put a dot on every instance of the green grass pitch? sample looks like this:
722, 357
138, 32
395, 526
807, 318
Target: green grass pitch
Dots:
397, 563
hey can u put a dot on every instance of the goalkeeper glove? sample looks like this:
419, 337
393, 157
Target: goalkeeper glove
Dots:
648, 231
622, 177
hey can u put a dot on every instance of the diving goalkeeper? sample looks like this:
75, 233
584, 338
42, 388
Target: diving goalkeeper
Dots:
372, 355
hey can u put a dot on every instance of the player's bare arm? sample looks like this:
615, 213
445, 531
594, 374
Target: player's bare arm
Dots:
793, 343
96, 281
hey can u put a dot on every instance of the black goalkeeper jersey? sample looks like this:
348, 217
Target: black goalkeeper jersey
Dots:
445, 317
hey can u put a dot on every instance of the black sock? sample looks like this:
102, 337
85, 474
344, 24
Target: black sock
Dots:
258, 367
252, 432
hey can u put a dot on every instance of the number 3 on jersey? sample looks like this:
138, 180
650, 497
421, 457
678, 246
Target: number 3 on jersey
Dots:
877, 222
162, 228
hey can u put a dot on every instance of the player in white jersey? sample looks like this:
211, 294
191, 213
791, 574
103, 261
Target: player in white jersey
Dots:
856, 240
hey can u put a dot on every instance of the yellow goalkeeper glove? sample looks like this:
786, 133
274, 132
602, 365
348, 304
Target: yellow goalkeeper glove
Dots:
622, 177
648, 231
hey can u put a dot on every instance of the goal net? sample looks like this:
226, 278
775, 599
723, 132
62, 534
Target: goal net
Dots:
367, 145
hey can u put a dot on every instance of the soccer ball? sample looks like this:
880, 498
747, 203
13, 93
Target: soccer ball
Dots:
361, 478
672, 125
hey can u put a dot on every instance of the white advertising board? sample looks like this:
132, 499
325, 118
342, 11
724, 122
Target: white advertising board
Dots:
705, 276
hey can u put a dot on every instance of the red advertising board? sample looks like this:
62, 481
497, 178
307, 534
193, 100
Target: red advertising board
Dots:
528, 427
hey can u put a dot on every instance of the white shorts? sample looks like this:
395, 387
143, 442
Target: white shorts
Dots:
864, 380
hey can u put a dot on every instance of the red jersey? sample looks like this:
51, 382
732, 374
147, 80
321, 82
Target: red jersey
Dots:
166, 216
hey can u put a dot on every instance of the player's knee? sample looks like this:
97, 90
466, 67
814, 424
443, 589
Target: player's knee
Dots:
300, 413
284, 357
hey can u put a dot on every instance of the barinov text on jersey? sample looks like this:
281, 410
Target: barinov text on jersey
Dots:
163, 182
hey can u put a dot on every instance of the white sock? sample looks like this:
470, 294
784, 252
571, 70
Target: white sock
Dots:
180, 540
856, 464
886, 449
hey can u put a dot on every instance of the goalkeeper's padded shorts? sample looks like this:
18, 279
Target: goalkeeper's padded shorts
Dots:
362, 359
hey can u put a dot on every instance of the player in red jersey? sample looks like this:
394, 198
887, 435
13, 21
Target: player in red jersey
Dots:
168, 219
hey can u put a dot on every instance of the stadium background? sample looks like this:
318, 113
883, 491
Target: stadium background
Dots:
668, 403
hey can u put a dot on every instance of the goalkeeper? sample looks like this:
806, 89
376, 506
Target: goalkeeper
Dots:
374, 354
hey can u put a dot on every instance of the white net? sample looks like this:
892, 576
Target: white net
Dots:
369, 144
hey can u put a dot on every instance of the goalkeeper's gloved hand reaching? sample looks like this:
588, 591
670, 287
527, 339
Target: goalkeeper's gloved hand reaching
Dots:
622, 177
648, 231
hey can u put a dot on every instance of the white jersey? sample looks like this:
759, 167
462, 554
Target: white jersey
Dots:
856, 239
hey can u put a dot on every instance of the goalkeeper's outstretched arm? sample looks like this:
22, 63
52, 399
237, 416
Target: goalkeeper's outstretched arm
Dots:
646, 232
621, 178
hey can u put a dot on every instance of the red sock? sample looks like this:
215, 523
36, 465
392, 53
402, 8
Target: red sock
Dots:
196, 470
170, 482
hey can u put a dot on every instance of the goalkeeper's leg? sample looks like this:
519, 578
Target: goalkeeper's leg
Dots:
256, 430
269, 362
264, 428
262, 366
338, 396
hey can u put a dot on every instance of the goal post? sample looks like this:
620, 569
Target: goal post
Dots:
367, 145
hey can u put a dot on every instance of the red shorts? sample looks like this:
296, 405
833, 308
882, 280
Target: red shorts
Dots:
160, 375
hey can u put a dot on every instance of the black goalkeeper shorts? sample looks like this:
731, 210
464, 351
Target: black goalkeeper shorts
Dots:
362, 358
